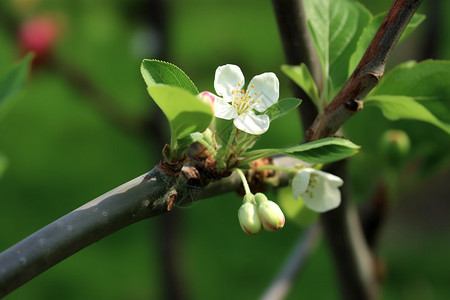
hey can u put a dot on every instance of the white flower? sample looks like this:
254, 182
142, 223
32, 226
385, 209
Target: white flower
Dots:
319, 190
238, 104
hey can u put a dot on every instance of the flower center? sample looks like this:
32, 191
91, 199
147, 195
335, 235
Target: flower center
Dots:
244, 100
311, 185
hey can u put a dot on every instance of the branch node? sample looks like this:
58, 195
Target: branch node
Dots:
171, 200
171, 169
354, 105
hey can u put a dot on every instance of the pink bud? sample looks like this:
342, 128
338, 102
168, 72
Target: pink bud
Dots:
207, 96
39, 34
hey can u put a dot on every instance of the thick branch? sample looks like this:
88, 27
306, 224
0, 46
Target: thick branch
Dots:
145, 196
298, 48
352, 256
368, 72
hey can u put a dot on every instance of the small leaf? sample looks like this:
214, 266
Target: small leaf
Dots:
418, 91
12, 84
282, 107
326, 150
185, 112
303, 78
159, 72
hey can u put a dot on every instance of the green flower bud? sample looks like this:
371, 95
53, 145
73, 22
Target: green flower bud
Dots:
249, 218
272, 217
394, 146
260, 198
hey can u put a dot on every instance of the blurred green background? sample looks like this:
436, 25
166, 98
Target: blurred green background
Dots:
85, 124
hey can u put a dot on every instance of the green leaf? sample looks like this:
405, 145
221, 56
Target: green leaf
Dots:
185, 112
418, 91
282, 107
335, 27
303, 78
326, 150
13, 82
189, 139
159, 72
369, 33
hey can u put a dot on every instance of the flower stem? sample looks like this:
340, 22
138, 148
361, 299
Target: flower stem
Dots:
256, 154
277, 168
244, 181
231, 139
265, 152
209, 147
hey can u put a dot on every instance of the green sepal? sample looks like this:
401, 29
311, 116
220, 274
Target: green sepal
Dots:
282, 107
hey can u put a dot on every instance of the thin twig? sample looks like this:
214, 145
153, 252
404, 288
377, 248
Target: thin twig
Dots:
282, 283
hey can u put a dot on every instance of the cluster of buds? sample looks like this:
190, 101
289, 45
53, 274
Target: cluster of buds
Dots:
257, 212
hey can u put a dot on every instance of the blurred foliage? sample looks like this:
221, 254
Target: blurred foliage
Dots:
63, 151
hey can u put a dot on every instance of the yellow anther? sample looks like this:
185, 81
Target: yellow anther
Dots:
256, 93
259, 101
252, 86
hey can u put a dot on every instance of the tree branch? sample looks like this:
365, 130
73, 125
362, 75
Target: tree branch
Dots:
146, 196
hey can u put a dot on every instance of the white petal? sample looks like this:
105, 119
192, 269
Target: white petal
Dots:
325, 194
251, 123
333, 179
227, 79
300, 183
264, 87
224, 110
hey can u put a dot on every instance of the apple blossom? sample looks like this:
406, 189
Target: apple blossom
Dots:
319, 190
238, 104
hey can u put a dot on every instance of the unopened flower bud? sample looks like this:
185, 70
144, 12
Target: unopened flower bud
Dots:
208, 98
249, 218
394, 146
272, 217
